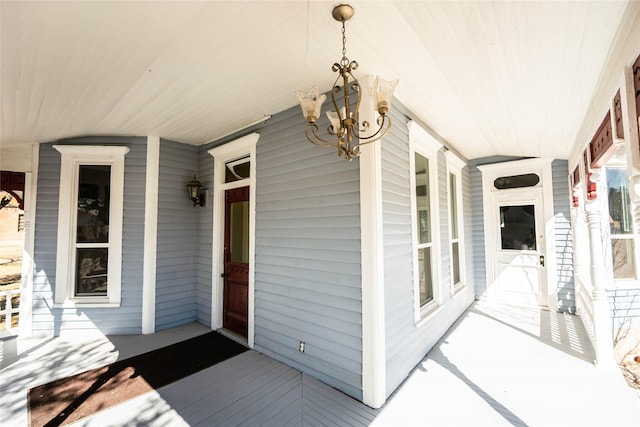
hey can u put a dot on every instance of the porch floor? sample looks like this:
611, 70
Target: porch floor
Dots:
498, 365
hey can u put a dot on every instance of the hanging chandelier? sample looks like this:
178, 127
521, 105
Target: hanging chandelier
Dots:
346, 132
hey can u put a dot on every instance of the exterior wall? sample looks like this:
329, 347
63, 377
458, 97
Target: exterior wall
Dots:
177, 237
408, 342
307, 265
564, 242
125, 319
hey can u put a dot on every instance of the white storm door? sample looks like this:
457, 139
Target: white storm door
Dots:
519, 256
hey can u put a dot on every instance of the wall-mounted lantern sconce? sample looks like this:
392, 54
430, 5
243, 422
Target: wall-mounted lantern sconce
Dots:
197, 194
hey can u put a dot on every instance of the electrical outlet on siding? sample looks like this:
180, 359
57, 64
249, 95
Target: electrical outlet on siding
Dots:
301, 347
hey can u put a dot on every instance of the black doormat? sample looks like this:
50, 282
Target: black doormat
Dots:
70, 399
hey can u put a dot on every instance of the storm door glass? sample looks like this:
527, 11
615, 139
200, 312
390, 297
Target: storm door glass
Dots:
518, 227
92, 230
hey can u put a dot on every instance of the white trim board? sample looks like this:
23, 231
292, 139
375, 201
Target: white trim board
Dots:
150, 235
372, 264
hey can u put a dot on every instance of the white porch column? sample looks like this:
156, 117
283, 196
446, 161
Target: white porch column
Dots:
150, 236
372, 261
601, 316
580, 233
28, 252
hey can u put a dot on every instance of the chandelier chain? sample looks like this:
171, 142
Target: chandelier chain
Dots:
345, 60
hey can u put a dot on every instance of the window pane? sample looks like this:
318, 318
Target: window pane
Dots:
239, 229
422, 198
237, 170
619, 202
455, 261
426, 279
623, 261
454, 206
93, 204
518, 227
91, 271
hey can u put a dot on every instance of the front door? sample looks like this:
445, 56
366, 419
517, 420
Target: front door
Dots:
519, 252
236, 260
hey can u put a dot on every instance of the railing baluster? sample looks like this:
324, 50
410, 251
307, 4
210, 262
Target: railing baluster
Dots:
8, 311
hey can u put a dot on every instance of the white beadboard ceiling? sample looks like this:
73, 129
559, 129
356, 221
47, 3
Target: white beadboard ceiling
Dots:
492, 78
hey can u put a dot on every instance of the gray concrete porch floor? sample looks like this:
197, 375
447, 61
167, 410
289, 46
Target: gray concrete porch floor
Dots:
498, 365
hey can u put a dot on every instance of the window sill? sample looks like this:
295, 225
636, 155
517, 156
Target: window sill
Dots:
86, 304
624, 284
427, 312
457, 289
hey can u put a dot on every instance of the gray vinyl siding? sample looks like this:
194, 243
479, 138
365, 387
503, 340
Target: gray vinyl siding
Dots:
125, 319
476, 243
177, 237
307, 262
406, 342
204, 252
563, 238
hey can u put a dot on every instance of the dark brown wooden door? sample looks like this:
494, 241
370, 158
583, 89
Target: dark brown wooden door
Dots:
236, 260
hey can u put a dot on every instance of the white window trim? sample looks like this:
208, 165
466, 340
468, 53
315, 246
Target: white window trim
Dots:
242, 147
423, 143
72, 157
454, 166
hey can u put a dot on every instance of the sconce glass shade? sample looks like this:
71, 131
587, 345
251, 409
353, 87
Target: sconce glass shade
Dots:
193, 187
383, 93
311, 103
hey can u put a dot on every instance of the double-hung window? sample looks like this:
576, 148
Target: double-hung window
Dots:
456, 227
424, 201
89, 258
621, 224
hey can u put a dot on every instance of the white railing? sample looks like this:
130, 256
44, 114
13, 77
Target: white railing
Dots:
7, 310
584, 304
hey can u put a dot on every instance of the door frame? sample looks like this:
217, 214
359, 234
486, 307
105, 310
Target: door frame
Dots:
242, 147
544, 190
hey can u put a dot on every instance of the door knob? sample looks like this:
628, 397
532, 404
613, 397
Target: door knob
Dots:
542, 260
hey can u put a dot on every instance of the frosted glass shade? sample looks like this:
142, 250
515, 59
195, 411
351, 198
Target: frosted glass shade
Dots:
336, 119
311, 103
383, 93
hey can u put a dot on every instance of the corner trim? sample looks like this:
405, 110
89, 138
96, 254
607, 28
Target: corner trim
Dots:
372, 265
150, 235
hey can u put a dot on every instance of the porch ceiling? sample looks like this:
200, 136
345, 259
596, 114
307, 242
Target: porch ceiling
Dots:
491, 78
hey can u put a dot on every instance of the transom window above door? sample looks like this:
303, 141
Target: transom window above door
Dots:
237, 170
516, 181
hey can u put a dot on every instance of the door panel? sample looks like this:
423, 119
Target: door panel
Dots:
519, 255
236, 260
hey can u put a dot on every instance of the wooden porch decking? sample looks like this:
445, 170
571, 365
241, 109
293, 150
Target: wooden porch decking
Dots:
497, 366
